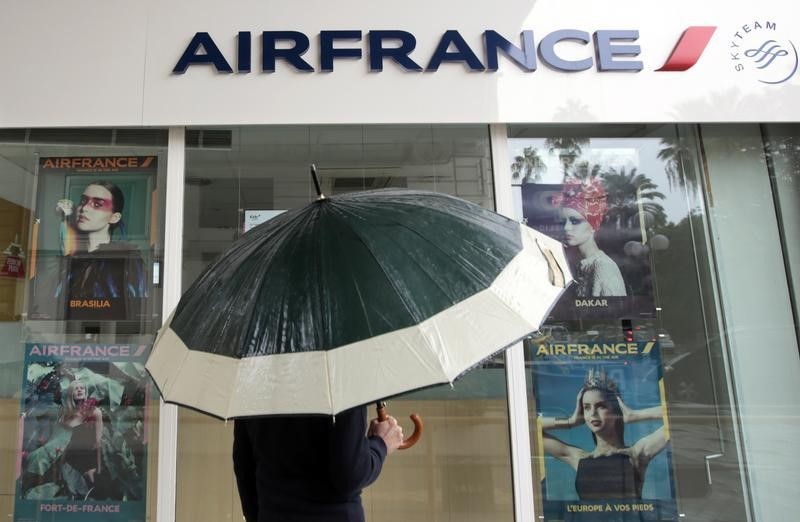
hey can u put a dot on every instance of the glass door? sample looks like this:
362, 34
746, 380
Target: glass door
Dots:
629, 398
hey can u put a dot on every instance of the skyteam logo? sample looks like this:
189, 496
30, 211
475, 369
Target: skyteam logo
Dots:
759, 50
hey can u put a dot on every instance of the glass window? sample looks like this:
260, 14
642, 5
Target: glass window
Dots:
80, 249
630, 405
238, 177
783, 159
750, 172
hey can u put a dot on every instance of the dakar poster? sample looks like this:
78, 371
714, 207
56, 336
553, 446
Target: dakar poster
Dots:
92, 238
82, 449
606, 243
602, 444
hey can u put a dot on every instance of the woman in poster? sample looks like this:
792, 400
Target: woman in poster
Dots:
85, 440
583, 206
100, 266
612, 469
84, 419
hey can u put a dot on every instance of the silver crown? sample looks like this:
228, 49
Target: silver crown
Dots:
598, 378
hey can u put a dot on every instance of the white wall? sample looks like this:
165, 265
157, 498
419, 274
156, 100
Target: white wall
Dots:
93, 62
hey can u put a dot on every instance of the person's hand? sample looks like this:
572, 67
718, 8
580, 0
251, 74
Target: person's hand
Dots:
389, 431
65, 207
576, 419
627, 412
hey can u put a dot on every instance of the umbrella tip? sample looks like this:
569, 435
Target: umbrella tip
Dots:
314, 177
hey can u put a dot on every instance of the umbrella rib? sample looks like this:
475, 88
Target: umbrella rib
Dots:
328, 381
380, 265
180, 367
230, 397
363, 305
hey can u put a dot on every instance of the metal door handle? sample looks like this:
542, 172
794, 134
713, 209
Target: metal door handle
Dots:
708, 459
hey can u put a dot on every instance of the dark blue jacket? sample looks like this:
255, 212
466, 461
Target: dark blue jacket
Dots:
303, 468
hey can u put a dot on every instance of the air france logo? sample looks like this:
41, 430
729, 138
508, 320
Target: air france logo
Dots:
564, 50
757, 49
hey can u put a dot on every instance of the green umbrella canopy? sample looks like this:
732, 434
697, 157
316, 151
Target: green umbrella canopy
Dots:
344, 269
341, 293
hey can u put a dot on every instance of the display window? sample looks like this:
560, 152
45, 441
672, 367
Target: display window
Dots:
634, 406
79, 308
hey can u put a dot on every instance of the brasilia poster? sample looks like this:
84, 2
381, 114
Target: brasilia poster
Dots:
92, 238
82, 450
602, 434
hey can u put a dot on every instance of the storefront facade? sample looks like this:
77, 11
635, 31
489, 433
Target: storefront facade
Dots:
659, 143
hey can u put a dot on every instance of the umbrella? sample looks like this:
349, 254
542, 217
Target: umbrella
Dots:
352, 299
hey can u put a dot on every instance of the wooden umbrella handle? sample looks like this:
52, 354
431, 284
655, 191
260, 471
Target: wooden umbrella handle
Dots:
410, 441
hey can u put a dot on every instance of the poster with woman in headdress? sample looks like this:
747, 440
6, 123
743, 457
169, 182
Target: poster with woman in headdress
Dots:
605, 242
602, 432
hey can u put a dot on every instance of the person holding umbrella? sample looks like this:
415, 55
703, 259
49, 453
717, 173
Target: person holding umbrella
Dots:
346, 301
309, 468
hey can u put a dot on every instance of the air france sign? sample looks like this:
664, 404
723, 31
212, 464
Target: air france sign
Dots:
606, 50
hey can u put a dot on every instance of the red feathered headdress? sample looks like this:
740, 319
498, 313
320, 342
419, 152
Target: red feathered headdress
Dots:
587, 197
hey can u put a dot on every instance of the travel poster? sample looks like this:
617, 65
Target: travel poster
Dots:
82, 449
606, 246
602, 434
92, 237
